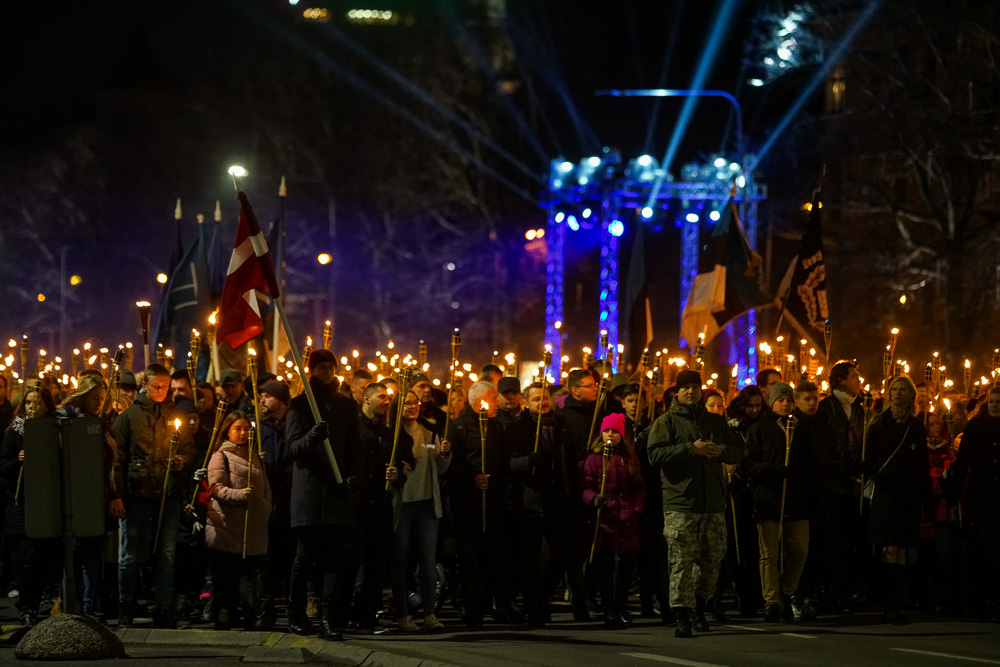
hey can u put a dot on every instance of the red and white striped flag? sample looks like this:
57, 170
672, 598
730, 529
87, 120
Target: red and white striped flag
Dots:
250, 270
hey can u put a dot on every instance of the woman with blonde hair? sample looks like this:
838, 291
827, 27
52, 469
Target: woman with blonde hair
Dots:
896, 464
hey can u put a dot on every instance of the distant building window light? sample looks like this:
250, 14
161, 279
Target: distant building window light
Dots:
372, 16
316, 14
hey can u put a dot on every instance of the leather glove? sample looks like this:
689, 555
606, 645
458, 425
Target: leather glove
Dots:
200, 473
345, 489
318, 433
598, 500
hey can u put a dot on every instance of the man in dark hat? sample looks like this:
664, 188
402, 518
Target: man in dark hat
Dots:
322, 511
431, 416
231, 381
128, 384
510, 401
274, 404
689, 445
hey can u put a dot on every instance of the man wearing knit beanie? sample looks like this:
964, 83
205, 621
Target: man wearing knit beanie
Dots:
785, 477
274, 401
689, 445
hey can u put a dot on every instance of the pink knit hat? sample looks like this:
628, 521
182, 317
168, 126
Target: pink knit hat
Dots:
614, 421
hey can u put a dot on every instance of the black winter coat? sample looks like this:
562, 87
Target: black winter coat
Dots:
316, 497
840, 453
903, 487
976, 469
765, 464
548, 482
463, 433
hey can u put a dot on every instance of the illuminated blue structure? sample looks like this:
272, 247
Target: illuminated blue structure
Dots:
597, 194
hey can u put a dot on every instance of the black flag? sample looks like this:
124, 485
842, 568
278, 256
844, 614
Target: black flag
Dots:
803, 288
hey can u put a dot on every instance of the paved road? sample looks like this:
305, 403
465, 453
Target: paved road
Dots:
851, 641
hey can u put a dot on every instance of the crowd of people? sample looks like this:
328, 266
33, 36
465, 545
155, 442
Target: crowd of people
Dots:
677, 504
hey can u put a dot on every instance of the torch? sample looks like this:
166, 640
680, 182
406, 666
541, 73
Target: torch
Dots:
789, 436
605, 457
886, 366
827, 338
867, 402
967, 376
422, 355
802, 352
306, 351
220, 414
643, 365
779, 352
604, 350
653, 381
74, 361
42, 354
484, 417
128, 354
214, 373
602, 391
732, 509
404, 382
25, 348
195, 344
699, 353
119, 354
327, 334
996, 359
166, 481
143, 307
511, 364
546, 362
456, 345
252, 374
894, 332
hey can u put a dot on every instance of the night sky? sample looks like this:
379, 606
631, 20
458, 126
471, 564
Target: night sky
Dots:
136, 104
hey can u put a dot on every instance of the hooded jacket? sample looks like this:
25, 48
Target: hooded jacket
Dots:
692, 484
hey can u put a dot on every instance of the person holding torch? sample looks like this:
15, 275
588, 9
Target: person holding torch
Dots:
143, 434
479, 469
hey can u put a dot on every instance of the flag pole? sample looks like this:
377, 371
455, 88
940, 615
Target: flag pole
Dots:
282, 192
308, 389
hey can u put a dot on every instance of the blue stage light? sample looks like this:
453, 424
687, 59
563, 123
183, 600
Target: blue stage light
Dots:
617, 228
714, 216
572, 223
560, 216
647, 212
645, 160
594, 162
586, 212
691, 217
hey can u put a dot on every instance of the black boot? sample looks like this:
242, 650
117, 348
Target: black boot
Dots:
299, 623
892, 594
124, 614
683, 616
328, 629
700, 622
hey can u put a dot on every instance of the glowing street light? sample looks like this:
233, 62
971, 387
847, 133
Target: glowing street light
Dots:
237, 171
324, 258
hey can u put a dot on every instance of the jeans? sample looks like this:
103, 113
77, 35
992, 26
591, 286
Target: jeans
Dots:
325, 545
87, 563
33, 562
559, 530
138, 530
418, 527
615, 573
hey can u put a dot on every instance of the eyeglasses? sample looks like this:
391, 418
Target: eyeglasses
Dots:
411, 404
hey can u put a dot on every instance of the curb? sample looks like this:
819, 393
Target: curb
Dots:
271, 647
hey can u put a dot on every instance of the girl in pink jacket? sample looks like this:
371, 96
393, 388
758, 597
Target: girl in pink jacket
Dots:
620, 504
233, 503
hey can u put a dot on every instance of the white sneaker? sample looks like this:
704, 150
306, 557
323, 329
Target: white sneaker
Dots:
432, 624
406, 624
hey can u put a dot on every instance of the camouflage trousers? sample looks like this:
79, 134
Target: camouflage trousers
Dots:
697, 545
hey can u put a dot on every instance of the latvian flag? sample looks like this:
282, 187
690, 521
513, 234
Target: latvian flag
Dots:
250, 269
